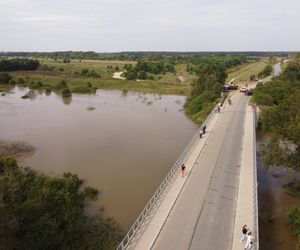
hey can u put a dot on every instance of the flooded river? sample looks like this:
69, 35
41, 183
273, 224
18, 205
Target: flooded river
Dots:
121, 144
273, 207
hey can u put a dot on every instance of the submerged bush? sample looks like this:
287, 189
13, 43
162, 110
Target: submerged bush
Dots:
66, 93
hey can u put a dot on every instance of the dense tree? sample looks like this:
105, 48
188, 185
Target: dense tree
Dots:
211, 72
66, 93
5, 77
15, 64
144, 67
42, 212
266, 71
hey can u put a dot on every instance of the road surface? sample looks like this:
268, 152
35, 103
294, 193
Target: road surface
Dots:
204, 214
277, 69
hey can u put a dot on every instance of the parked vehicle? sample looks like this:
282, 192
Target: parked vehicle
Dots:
229, 87
243, 89
233, 87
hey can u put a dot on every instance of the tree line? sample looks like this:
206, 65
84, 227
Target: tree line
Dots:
43, 212
212, 73
15, 64
280, 104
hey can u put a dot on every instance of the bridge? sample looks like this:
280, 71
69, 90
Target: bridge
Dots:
206, 209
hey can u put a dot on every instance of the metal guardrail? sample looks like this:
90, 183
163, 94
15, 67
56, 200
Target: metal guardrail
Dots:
143, 215
255, 185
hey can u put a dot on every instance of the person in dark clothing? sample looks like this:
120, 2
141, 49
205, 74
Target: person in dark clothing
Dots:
182, 169
204, 128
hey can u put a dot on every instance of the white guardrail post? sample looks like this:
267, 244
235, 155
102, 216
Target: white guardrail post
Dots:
143, 215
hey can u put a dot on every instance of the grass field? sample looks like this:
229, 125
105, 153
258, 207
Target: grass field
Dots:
241, 73
54, 71
169, 83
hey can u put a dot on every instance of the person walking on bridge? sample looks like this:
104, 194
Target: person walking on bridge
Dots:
182, 169
204, 128
244, 233
249, 241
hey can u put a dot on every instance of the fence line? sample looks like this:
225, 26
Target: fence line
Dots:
255, 185
145, 212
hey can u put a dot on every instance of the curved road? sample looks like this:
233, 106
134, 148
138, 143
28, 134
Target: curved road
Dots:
203, 216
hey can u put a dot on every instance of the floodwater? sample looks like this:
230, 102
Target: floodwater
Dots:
273, 205
124, 147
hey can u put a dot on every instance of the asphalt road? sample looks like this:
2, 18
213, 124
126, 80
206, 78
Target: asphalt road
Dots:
203, 215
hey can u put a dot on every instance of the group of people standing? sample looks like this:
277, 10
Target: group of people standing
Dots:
247, 237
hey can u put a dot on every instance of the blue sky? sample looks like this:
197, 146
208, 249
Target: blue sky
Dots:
143, 25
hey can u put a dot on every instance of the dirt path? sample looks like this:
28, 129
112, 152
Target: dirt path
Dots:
117, 75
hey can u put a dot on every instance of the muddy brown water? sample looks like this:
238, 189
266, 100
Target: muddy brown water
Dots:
124, 147
273, 205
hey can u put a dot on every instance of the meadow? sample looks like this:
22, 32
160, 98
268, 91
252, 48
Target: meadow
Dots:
99, 74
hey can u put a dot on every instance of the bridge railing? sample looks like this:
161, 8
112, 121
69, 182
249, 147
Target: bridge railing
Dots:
162, 187
255, 186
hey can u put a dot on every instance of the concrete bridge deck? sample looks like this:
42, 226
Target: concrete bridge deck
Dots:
205, 209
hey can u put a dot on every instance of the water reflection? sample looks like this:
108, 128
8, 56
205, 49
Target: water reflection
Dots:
67, 100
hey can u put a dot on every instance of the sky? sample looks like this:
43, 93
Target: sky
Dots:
149, 25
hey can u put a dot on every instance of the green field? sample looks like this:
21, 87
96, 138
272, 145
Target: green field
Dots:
241, 73
53, 71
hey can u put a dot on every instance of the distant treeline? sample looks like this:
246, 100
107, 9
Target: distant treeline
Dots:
15, 64
197, 53
54, 55
138, 54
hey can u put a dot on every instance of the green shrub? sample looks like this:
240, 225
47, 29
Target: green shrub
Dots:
266, 71
198, 107
36, 85
61, 85
50, 211
66, 93
93, 74
294, 221
263, 99
21, 80
84, 72
5, 77
90, 192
